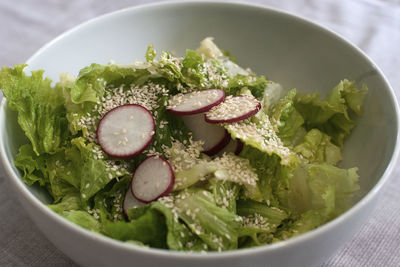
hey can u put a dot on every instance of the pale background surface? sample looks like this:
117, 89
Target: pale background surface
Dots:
373, 25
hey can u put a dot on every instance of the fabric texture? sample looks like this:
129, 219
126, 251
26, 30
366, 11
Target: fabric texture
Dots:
373, 25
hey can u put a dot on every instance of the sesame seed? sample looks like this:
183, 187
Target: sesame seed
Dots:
236, 169
264, 135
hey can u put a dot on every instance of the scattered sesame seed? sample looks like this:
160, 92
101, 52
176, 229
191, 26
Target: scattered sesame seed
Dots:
265, 136
237, 170
256, 221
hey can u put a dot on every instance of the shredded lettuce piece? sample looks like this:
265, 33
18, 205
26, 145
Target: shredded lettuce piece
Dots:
70, 201
286, 118
311, 182
40, 107
317, 148
149, 229
83, 219
332, 114
262, 136
179, 237
216, 226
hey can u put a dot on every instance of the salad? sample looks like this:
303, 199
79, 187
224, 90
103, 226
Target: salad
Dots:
189, 153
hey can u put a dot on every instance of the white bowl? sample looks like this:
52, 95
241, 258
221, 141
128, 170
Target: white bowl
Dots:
287, 49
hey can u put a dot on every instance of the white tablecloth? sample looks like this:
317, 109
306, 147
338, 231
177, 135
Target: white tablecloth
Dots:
373, 25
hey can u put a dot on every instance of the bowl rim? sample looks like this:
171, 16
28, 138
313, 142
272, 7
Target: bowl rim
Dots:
20, 186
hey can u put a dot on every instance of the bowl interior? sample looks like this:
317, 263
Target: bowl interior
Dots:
284, 48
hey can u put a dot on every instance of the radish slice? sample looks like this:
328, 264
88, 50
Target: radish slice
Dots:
126, 131
195, 102
234, 108
130, 202
153, 178
234, 146
214, 137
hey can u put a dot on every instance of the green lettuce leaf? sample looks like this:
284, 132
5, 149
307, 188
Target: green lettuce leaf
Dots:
216, 226
332, 114
225, 194
318, 193
264, 165
274, 215
259, 222
83, 219
286, 117
70, 201
149, 229
46, 170
94, 173
188, 177
32, 166
354, 97
40, 107
179, 237
322, 186
260, 134
317, 148
307, 221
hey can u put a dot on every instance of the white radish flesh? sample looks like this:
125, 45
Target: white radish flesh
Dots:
130, 202
233, 109
126, 131
153, 178
215, 137
195, 102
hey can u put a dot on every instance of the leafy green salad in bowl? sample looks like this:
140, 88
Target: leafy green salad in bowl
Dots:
189, 153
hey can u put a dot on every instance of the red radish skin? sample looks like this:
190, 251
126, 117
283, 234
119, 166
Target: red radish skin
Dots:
126, 131
152, 179
239, 147
214, 136
130, 202
196, 102
219, 146
233, 109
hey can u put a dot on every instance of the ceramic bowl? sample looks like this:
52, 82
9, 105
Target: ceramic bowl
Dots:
285, 48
